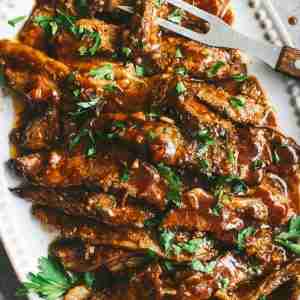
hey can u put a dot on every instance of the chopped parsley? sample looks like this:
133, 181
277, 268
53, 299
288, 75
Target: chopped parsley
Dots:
181, 71
178, 53
237, 103
223, 283
13, 22
89, 279
180, 88
91, 142
242, 235
51, 282
217, 209
275, 157
240, 77
139, 71
192, 246
205, 139
166, 240
125, 175
174, 184
51, 25
84, 107
110, 87
126, 51
231, 156
151, 135
198, 266
104, 72
213, 71
289, 238
176, 16
257, 164
168, 265
159, 3
203, 164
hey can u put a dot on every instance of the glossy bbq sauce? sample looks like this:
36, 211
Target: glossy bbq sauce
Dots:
18, 107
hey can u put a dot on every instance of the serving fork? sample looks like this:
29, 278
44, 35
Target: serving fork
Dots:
282, 59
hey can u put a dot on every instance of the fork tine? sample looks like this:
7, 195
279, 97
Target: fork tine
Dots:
194, 11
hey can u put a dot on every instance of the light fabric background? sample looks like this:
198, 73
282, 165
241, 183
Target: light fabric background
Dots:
8, 280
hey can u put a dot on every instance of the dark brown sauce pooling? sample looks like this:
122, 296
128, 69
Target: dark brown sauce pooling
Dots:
293, 20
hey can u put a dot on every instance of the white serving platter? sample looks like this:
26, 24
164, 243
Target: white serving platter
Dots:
24, 238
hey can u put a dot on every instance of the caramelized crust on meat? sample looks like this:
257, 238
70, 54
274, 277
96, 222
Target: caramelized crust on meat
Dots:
101, 207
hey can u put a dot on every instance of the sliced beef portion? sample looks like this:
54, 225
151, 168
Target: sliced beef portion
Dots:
68, 47
59, 169
83, 257
244, 103
101, 207
160, 52
228, 149
160, 138
32, 73
126, 238
32, 34
40, 133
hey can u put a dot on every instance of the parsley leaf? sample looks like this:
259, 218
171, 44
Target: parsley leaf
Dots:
213, 71
104, 72
223, 283
192, 246
204, 138
240, 77
139, 71
178, 53
257, 164
159, 3
198, 266
51, 282
237, 102
125, 175
289, 238
126, 51
166, 240
181, 71
174, 184
180, 88
13, 22
242, 235
89, 279
176, 16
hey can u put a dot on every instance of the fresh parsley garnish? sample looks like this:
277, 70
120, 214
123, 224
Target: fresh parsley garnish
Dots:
213, 71
91, 142
125, 174
180, 88
198, 266
192, 245
151, 135
166, 240
126, 51
181, 71
104, 72
257, 164
52, 24
237, 103
178, 53
110, 87
174, 184
242, 235
204, 138
13, 22
240, 77
89, 279
203, 164
51, 282
217, 209
159, 3
176, 16
223, 283
139, 71
289, 238
231, 156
